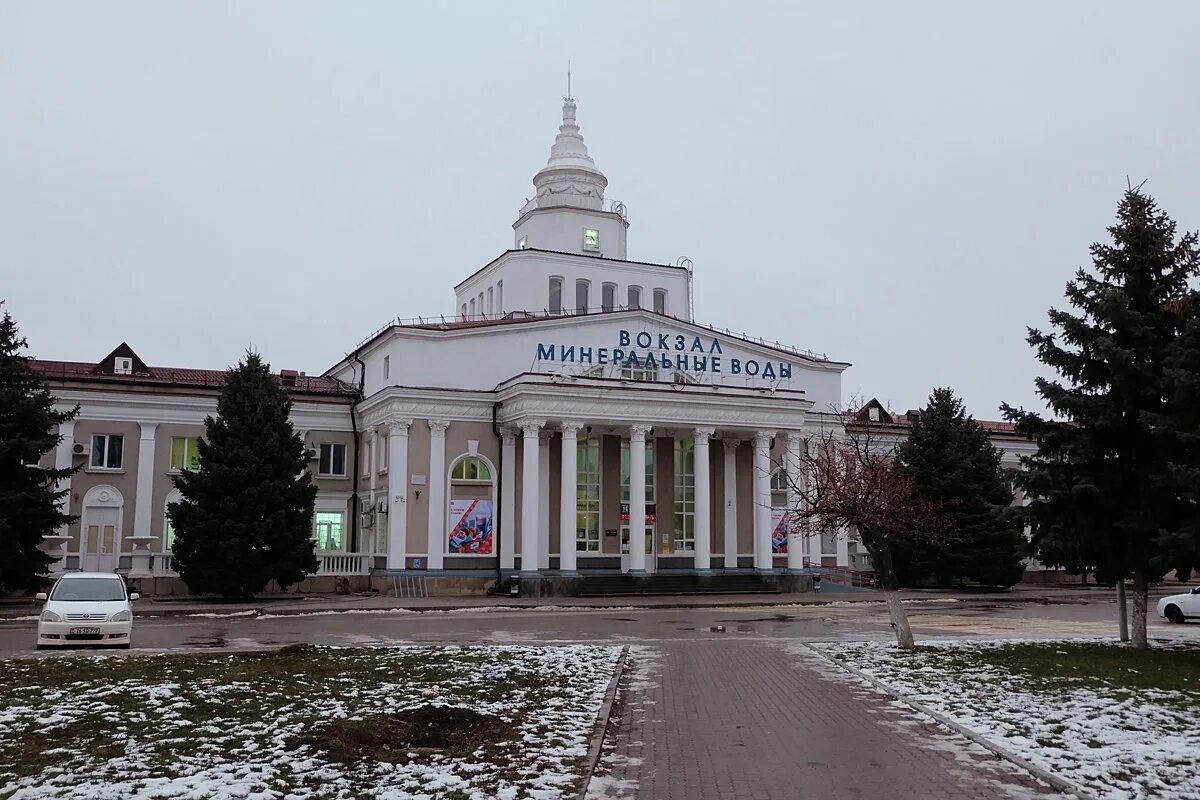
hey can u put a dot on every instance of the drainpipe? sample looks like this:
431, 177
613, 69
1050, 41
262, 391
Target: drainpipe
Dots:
355, 467
496, 529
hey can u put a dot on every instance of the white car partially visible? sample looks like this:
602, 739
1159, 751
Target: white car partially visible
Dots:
86, 608
1180, 607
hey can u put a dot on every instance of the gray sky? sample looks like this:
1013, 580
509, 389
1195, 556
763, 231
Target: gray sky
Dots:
905, 186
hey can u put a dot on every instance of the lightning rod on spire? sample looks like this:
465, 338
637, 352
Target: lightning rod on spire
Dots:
568, 78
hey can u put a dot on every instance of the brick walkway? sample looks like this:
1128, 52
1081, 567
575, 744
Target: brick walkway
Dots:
752, 721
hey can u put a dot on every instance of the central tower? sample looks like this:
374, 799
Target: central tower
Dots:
567, 212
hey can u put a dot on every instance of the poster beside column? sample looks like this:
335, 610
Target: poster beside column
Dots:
471, 527
779, 529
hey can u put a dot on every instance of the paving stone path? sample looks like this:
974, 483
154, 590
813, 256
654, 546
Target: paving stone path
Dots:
756, 720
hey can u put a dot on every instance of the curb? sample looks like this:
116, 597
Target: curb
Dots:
601, 727
1062, 784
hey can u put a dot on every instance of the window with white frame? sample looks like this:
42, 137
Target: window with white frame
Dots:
608, 297
365, 456
591, 240
332, 462
471, 468
582, 289
685, 495
185, 453
779, 481
556, 295
329, 530
381, 459
660, 301
107, 450
587, 494
625, 461
634, 297
642, 372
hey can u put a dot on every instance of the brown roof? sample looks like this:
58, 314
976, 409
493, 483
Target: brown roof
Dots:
906, 419
180, 376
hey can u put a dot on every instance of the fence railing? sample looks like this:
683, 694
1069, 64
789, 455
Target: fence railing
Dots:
328, 563
860, 578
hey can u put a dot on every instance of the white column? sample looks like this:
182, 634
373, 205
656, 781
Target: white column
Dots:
568, 518
762, 500
373, 486
437, 492
62, 460
397, 491
544, 500
729, 446
703, 551
813, 544
529, 495
843, 547
143, 501
508, 499
637, 498
791, 466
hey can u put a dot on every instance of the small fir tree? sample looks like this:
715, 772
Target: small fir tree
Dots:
246, 514
1107, 463
29, 498
954, 465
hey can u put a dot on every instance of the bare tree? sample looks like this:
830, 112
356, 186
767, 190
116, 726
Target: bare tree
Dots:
848, 478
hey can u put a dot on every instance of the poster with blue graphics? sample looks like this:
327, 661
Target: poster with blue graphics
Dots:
779, 529
471, 527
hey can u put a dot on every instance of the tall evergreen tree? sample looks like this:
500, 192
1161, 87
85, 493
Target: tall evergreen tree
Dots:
1106, 463
1181, 541
29, 499
955, 466
246, 514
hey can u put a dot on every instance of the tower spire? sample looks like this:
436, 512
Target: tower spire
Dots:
568, 78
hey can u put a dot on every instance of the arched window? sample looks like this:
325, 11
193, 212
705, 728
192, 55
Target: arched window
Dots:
500, 297
481, 304
491, 299
635, 297
471, 468
660, 301
472, 307
608, 297
582, 288
464, 311
779, 481
556, 295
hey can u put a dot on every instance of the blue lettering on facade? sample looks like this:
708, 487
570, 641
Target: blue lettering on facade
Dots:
566, 354
716, 363
601, 355
617, 355
735, 366
681, 363
648, 339
585, 355
715, 347
699, 363
768, 371
664, 341
631, 360
696, 346
623, 339
680, 342
785, 371
682, 360
545, 352
751, 367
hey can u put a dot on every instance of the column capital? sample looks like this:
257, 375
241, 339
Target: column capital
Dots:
147, 429
397, 426
793, 437
638, 432
530, 427
731, 442
438, 426
571, 427
369, 435
763, 438
509, 435
702, 434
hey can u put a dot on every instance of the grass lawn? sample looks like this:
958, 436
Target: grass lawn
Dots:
307, 723
1117, 721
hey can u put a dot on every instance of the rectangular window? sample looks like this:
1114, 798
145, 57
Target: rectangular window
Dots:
168, 534
639, 373
365, 450
608, 297
635, 297
382, 447
185, 454
685, 495
660, 301
587, 495
387, 367
581, 296
591, 240
333, 459
625, 470
107, 450
329, 525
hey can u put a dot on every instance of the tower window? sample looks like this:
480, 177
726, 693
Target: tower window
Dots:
660, 301
500, 297
556, 295
581, 296
481, 304
608, 297
472, 307
591, 240
491, 298
523, 242
635, 297
464, 311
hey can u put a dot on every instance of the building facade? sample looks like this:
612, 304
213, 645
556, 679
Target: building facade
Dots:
567, 415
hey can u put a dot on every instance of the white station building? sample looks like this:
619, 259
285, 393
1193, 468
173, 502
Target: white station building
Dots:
567, 416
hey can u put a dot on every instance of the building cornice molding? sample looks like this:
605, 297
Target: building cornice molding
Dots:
185, 409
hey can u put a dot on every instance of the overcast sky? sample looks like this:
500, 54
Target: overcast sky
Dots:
904, 186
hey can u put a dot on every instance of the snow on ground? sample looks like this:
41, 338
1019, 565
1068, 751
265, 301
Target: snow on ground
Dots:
203, 726
1114, 740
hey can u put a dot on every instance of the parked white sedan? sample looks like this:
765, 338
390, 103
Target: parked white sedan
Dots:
1179, 607
86, 608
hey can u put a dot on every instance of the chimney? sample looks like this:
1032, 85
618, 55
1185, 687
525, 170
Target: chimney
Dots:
288, 377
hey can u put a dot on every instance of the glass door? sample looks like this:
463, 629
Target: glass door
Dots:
99, 547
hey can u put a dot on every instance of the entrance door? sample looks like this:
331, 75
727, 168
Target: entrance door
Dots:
651, 549
99, 545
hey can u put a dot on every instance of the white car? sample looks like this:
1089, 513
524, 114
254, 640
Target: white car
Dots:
1179, 607
86, 608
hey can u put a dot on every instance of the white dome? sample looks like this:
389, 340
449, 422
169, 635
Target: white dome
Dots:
570, 177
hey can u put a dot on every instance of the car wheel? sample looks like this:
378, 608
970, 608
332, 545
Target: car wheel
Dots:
41, 647
123, 646
1173, 614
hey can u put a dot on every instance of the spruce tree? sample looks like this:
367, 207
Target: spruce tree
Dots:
955, 466
1106, 459
246, 515
29, 499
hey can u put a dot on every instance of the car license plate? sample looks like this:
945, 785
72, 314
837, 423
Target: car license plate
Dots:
84, 631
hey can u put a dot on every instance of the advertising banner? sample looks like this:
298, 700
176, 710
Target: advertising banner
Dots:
471, 527
779, 530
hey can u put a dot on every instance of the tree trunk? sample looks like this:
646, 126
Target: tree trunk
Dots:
1141, 591
886, 574
1122, 611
